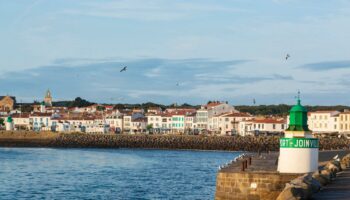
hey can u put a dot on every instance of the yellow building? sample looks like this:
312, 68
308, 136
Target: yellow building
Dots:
344, 122
7, 103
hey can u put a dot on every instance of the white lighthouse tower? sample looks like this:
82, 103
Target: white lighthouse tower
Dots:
9, 124
298, 148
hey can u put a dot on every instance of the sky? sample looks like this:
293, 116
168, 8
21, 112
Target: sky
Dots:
176, 51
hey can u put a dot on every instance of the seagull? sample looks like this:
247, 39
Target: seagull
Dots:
124, 69
287, 56
177, 84
335, 157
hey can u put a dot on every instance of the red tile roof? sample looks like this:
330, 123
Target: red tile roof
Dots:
269, 121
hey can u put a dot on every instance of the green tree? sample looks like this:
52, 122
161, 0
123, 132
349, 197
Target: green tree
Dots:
101, 108
2, 122
149, 127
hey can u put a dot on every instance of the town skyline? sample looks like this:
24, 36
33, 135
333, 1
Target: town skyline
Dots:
78, 49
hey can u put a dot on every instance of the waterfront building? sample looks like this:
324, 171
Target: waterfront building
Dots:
178, 121
40, 121
324, 121
344, 122
261, 126
155, 120
138, 125
115, 121
229, 123
166, 122
7, 103
202, 119
298, 148
127, 126
21, 121
190, 120
207, 112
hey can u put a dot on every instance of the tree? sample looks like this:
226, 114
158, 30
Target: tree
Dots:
149, 127
101, 108
79, 102
2, 122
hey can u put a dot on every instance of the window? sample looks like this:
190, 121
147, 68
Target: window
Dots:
274, 126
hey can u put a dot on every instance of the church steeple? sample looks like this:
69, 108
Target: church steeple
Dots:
48, 98
48, 94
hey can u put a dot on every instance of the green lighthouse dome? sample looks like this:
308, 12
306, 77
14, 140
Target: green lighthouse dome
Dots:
9, 119
298, 118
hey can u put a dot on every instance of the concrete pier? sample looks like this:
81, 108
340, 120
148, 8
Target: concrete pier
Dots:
339, 189
262, 181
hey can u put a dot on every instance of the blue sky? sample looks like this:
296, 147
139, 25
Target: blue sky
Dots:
231, 50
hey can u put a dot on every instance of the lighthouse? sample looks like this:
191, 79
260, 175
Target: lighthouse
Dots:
298, 148
9, 124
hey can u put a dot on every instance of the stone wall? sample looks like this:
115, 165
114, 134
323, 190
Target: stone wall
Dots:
241, 185
225, 143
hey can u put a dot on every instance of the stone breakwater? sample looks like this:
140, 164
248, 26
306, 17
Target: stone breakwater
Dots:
305, 186
79, 140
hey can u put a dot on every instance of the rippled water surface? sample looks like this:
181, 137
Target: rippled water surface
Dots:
35, 173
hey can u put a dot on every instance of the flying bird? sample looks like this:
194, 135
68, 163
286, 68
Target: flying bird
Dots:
177, 84
124, 69
287, 56
254, 102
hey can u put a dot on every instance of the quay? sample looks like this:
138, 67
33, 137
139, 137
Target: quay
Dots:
260, 180
339, 189
298, 171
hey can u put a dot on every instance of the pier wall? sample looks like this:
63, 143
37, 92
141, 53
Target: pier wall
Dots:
198, 142
251, 185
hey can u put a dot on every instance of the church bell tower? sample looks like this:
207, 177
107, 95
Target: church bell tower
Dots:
48, 99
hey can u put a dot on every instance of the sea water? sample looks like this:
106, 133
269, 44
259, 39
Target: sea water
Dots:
47, 173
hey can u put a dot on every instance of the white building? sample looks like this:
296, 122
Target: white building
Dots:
262, 126
228, 124
344, 122
40, 121
178, 121
324, 121
204, 115
190, 121
115, 122
127, 126
155, 120
138, 125
21, 121
166, 122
